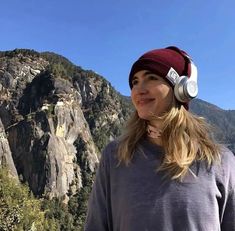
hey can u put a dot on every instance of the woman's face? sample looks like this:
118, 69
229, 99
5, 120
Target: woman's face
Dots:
151, 94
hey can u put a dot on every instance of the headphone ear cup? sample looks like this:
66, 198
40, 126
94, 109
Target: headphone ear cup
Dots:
179, 89
185, 89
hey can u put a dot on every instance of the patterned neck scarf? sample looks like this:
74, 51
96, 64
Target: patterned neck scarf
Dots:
153, 132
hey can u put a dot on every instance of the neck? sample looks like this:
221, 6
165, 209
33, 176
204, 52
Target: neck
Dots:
156, 123
157, 141
154, 133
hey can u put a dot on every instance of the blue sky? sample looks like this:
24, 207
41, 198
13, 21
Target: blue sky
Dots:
108, 36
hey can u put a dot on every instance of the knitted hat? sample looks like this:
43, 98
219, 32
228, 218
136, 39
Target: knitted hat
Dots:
160, 61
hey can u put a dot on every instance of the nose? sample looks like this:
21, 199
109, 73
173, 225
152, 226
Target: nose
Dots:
141, 88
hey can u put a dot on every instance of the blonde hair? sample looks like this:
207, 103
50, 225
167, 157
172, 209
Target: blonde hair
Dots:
185, 139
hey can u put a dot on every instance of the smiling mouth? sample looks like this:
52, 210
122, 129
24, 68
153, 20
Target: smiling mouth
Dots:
143, 102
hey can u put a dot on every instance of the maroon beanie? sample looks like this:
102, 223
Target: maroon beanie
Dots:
160, 61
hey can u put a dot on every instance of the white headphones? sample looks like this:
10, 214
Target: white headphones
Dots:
185, 87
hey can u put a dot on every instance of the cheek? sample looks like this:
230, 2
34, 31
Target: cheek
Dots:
166, 96
162, 91
169, 96
133, 97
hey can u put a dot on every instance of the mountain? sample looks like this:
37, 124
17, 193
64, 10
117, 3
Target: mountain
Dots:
55, 118
223, 121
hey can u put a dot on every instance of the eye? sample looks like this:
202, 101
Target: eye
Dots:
153, 77
134, 82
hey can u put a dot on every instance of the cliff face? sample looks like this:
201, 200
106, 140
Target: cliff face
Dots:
54, 123
5, 152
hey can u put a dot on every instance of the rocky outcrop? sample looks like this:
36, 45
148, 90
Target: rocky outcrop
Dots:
57, 118
5, 153
104, 109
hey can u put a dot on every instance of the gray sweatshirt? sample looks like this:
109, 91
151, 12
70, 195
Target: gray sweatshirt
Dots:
139, 198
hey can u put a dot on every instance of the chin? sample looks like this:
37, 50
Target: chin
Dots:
145, 116
149, 116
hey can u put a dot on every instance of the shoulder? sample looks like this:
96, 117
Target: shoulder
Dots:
226, 170
109, 152
111, 147
227, 157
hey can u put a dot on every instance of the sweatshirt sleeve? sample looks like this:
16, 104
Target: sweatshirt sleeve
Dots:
228, 210
98, 213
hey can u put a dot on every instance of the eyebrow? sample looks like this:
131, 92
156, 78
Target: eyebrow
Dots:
149, 73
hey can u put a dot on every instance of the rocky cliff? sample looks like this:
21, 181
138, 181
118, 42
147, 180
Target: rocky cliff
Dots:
56, 118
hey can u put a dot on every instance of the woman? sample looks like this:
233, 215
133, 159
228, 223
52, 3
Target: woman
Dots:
165, 172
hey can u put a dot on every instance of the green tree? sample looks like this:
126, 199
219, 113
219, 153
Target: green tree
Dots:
19, 210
